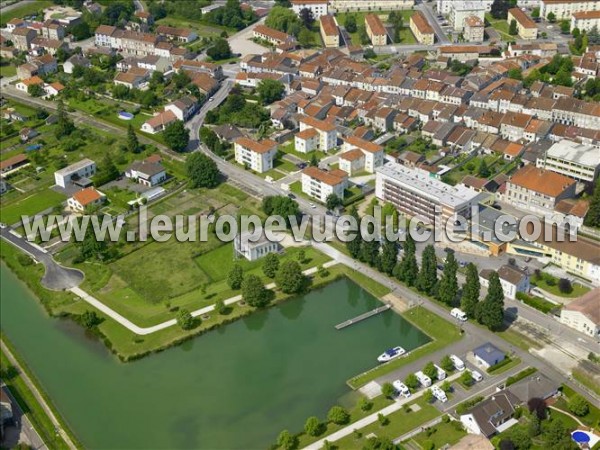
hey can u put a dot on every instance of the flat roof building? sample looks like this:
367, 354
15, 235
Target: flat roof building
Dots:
578, 161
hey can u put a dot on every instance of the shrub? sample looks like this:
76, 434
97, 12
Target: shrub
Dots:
338, 415
365, 404
565, 286
519, 376
578, 405
465, 406
24, 260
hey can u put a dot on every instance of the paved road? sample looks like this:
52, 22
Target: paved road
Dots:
23, 432
56, 277
40, 399
426, 9
8, 8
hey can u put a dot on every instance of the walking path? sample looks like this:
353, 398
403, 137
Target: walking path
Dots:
365, 421
142, 331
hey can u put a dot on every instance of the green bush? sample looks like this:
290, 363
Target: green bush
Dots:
522, 374
536, 302
501, 364
465, 406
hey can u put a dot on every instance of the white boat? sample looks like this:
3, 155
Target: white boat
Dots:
390, 354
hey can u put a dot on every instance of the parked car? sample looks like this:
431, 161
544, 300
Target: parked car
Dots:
292, 196
312, 205
476, 375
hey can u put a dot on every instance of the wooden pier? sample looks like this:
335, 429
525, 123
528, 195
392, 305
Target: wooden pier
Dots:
363, 316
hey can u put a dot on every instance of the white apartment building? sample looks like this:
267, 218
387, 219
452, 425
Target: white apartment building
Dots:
318, 7
327, 132
374, 155
320, 184
257, 155
306, 141
578, 161
370, 5
461, 10
415, 193
585, 20
512, 279
564, 9
75, 172
445, 6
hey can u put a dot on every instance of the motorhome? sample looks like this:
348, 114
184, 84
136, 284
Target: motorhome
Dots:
423, 379
441, 373
458, 363
458, 314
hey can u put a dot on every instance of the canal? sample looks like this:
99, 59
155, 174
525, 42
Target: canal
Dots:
233, 388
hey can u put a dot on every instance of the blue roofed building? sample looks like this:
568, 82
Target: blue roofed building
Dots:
488, 355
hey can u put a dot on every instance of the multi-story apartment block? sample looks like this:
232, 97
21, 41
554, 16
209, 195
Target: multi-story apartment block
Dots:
445, 6
257, 155
578, 161
374, 155
306, 141
375, 30
415, 193
327, 132
564, 9
460, 10
132, 42
422, 29
526, 27
77, 173
320, 184
53, 30
371, 5
330, 32
538, 190
585, 20
271, 35
318, 7
473, 29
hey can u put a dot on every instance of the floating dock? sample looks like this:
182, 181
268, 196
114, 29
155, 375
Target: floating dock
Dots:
363, 316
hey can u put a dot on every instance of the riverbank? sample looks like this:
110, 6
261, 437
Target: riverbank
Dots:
33, 401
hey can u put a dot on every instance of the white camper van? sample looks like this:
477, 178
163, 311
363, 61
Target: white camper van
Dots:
458, 314
423, 379
458, 363
441, 373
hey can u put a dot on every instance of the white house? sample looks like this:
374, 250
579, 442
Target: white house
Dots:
318, 7
257, 155
254, 249
492, 415
159, 122
306, 141
77, 173
74, 61
88, 197
320, 184
512, 279
183, 108
147, 172
352, 161
583, 314
327, 132
374, 155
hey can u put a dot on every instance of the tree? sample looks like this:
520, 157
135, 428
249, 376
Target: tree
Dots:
535, 13
408, 269
470, 292
202, 171
364, 403
535, 426
176, 136
446, 386
519, 438
515, 73
338, 415
313, 426
551, 17
578, 405
499, 9
290, 278
564, 285
90, 319
301, 256
235, 277
281, 205
592, 218
447, 364
270, 91
350, 23
132, 141
91, 248
389, 256
219, 50
220, 307
537, 407
81, 31
466, 378
428, 396
388, 390
64, 126
430, 370
448, 288
369, 53
107, 171
565, 26
270, 265
283, 19
411, 381
185, 319
333, 201
492, 307
254, 292
512, 29
286, 440
483, 170
305, 38
354, 245
35, 90
314, 161
557, 436
427, 277
306, 17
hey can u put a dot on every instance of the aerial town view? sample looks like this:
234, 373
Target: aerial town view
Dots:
300, 224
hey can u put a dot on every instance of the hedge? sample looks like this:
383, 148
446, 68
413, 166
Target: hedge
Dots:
465, 406
536, 302
522, 374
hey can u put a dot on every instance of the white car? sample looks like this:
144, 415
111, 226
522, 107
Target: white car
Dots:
476, 375
211, 99
402, 389
312, 205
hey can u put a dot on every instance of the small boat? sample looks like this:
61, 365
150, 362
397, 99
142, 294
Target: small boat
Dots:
391, 354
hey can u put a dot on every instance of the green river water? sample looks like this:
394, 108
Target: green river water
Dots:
233, 388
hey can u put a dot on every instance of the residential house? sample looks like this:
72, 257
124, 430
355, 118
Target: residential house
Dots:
491, 416
85, 199
28, 133
256, 155
375, 30
526, 27
147, 172
23, 85
585, 20
51, 29
134, 78
488, 355
330, 33
317, 7
50, 46
327, 132
320, 184
183, 35
75, 61
159, 122
473, 29
14, 163
512, 279
306, 141
583, 314
183, 108
77, 173
253, 248
422, 29
22, 37
374, 155
271, 35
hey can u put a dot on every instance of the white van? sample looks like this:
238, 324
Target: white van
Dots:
423, 379
476, 375
458, 314
401, 388
441, 373
458, 363
439, 394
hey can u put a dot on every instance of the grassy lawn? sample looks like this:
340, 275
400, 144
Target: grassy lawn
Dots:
291, 150
518, 339
440, 435
30, 205
456, 175
406, 36
584, 379
7, 70
439, 330
592, 418
31, 407
400, 422
25, 10
549, 284
201, 29
501, 26
498, 369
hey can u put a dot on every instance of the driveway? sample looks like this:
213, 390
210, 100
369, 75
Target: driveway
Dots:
242, 42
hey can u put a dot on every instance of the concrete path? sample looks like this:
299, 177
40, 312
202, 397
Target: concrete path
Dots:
142, 331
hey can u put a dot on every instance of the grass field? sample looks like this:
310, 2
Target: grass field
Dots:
440, 435
30, 205
549, 284
439, 330
592, 418
24, 10
400, 422
7, 70
501, 26
406, 36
